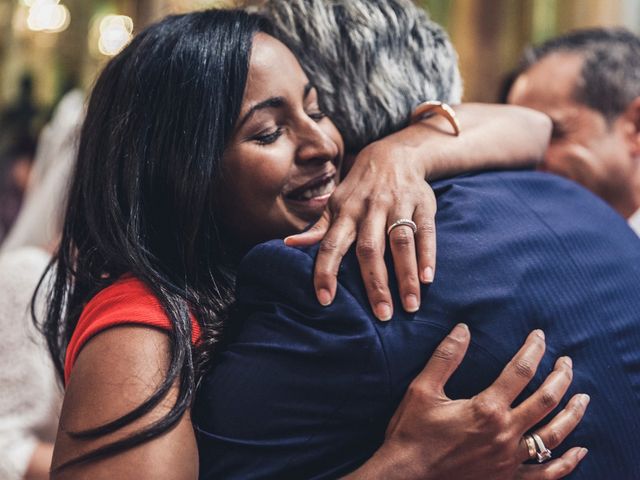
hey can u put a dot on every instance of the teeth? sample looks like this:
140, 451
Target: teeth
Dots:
319, 191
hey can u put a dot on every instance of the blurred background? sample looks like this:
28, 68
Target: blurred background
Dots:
50, 47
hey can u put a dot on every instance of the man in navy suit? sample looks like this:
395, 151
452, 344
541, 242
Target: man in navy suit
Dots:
309, 390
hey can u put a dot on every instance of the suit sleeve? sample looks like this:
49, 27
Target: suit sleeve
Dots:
297, 377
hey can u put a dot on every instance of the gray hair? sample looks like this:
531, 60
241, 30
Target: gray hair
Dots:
610, 75
372, 61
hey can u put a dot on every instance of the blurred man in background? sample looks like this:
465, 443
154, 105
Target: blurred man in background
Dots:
588, 82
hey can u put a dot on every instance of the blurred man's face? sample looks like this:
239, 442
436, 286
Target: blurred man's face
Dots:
584, 147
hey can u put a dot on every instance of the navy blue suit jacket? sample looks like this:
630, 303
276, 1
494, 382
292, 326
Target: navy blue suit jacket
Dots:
303, 391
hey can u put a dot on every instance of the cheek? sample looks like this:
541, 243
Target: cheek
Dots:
557, 159
257, 174
253, 182
614, 155
572, 160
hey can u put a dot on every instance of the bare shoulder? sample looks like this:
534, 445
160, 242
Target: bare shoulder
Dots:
115, 372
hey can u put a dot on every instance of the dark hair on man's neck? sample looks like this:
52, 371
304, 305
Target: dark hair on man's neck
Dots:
610, 75
143, 199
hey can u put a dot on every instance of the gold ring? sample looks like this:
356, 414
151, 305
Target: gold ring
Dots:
403, 222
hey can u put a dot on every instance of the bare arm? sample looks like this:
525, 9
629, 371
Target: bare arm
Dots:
491, 137
115, 372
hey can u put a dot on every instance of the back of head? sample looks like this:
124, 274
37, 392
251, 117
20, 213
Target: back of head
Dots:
610, 76
372, 61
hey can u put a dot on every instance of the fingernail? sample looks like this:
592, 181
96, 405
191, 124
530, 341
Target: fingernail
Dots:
539, 334
568, 362
460, 331
585, 399
324, 297
411, 303
582, 452
427, 275
383, 311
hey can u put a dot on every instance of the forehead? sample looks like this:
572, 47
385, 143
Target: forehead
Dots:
273, 70
549, 85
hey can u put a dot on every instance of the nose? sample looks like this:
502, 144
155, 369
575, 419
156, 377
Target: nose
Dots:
314, 143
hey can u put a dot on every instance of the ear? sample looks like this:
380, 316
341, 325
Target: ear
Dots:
631, 119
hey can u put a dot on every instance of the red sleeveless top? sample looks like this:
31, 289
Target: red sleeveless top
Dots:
128, 301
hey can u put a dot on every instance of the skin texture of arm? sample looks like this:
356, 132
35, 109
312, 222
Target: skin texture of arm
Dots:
115, 372
492, 137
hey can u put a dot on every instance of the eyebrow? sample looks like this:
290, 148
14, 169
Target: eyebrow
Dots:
273, 102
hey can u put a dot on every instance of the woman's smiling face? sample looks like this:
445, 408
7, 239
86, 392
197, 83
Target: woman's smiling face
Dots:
280, 167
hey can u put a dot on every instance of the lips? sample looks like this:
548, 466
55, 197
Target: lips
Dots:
319, 187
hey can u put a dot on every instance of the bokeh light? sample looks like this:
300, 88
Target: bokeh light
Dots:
47, 16
115, 32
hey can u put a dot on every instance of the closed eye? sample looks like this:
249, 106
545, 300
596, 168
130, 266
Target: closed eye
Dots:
317, 116
268, 138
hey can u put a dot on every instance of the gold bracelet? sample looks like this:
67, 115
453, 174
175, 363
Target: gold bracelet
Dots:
435, 107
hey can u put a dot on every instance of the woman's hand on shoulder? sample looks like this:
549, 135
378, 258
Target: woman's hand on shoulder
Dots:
384, 185
432, 436
115, 372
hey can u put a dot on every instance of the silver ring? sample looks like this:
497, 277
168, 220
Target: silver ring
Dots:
543, 453
403, 222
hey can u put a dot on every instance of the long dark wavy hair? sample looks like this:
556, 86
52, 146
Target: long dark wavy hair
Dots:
143, 198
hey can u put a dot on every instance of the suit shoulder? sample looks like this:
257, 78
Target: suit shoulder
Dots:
526, 201
274, 255
274, 274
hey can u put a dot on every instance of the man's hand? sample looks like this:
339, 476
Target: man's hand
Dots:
433, 437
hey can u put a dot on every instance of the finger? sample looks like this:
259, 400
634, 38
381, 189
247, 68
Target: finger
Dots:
554, 433
313, 235
547, 397
520, 369
370, 251
444, 361
403, 250
332, 249
426, 243
558, 468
